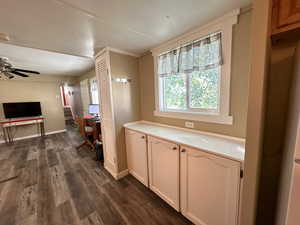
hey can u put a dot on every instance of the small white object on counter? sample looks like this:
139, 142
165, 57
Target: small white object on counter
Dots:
225, 146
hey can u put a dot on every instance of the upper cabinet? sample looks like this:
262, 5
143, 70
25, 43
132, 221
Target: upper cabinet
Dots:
285, 15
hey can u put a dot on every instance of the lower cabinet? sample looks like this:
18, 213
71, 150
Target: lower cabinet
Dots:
163, 162
136, 148
203, 186
209, 188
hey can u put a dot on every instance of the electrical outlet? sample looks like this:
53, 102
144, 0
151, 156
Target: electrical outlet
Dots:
189, 124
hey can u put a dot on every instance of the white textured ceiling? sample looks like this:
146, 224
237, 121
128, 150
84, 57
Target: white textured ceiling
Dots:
45, 62
80, 27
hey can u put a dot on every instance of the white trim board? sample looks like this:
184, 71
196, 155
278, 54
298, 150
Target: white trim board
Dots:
196, 117
117, 51
123, 52
36, 135
115, 175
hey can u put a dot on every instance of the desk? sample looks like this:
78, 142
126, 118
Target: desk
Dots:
95, 123
8, 124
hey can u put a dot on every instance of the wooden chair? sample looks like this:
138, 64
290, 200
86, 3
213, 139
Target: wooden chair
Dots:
86, 132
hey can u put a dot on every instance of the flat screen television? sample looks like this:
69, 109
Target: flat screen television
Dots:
22, 109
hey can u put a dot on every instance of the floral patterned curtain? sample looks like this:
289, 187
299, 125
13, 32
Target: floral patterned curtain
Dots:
202, 54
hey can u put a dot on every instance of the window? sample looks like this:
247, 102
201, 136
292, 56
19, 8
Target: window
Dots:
192, 79
94, 91
190, 76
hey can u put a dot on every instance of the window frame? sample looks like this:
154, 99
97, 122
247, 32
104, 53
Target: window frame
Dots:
224, 25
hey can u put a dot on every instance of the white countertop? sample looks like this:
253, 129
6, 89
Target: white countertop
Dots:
225, 146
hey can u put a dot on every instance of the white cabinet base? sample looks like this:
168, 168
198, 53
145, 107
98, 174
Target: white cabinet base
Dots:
205, 187
209, 188
163, 161
137, 158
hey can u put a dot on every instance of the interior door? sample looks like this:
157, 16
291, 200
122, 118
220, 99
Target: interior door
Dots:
209, 188
163, 158
136, 149
107, 115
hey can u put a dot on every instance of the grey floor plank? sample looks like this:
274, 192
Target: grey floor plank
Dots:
58, 184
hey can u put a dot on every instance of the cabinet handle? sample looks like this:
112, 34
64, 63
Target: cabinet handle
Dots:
183, 150
174, 148
143, 137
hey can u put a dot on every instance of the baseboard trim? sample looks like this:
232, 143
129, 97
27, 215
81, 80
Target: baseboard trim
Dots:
35, 135
115, 175
122, 174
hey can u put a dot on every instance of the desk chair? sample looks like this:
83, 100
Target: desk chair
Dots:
86, 132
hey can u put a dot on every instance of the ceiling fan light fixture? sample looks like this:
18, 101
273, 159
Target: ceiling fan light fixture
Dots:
4, 37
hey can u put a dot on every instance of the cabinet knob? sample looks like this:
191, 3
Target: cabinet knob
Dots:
143, 137
174, 148
183, 150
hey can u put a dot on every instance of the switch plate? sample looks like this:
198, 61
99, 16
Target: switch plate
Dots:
189, 124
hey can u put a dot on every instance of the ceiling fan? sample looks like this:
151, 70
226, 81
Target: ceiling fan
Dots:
9, 71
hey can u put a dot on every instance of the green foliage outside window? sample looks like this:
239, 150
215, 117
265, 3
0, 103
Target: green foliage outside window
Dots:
202, 93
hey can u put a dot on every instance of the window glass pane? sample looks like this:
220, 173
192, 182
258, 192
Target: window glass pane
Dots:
174, 90
204, 89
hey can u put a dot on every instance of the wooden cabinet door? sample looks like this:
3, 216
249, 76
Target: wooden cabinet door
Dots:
286, 13
209, 188
163, 161
136, 148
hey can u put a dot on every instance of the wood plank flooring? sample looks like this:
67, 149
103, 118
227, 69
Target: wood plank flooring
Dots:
46, 181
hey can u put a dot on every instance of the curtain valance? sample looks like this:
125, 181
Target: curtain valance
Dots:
202, 54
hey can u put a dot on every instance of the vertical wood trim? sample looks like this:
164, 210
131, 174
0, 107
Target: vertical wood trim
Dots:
261, 24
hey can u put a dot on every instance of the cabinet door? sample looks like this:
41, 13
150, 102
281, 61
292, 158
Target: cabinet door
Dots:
163, 164
209, 188
136, 148
286, 13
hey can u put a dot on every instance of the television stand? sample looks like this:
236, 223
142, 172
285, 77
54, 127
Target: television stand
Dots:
8, 124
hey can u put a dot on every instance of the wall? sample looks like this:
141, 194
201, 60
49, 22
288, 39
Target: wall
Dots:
239, 85
41, 88
126, 99
82, 86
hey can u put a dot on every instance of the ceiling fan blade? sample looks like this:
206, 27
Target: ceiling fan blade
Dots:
19, 74
25, 71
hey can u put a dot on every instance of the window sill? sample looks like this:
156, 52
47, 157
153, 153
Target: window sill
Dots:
210, 118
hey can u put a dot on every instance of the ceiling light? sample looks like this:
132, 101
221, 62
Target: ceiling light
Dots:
4, 37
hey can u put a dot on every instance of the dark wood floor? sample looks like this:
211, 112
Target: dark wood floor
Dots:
48, 182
